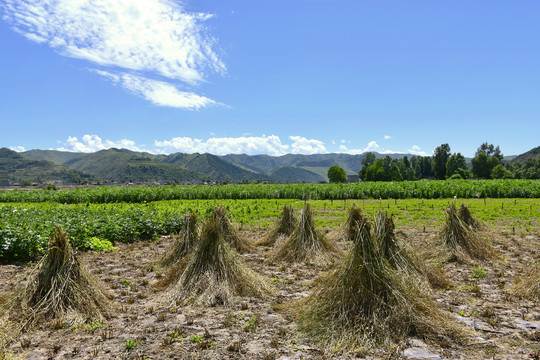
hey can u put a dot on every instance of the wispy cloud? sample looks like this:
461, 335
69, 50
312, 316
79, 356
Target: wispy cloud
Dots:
158, 92
152, 38
387, 137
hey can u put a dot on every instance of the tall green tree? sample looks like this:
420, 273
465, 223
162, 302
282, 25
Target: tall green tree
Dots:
454, 163
486, 158
368, 160
440, 157
336, 174
376, 172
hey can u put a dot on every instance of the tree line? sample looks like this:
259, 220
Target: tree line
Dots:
486, 164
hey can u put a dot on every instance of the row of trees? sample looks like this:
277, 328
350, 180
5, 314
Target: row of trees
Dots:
444, 164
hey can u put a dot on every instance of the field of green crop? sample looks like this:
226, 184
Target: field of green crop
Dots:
424, 189
25, 227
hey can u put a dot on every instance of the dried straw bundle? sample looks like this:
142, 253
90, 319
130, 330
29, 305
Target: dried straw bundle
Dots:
462, 240
349, 230
182, 244
284, 227
307, 244
464, 213
215, 273
228, 232
529, 286
364, 304
60, 288
402, 258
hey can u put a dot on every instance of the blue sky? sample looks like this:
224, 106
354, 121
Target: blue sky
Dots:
270, 77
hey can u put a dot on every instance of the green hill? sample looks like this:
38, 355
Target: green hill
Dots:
212, 166
122, 165
18, 168
531, 154
291, 174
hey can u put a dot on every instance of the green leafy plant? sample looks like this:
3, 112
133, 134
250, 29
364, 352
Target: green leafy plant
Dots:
131, 343
479, 272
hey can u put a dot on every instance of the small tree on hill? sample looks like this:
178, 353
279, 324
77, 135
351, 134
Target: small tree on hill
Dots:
336, 174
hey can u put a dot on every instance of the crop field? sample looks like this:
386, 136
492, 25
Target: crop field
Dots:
423, 189
121, 232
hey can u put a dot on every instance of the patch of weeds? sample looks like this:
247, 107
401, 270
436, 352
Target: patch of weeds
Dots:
479, 272
125, 282
196, 339
535, 355
252, 324
131, 343
93, 326
229, 320
131, 300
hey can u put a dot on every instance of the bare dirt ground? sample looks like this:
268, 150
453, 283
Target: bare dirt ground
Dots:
505, 326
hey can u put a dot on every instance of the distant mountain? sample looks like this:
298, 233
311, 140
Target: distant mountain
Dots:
16, 167
531, 154
291, 174
316, 163
212, 166
124, 165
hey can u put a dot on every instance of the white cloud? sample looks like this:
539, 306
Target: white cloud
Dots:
153, 36
93, 143
302, 145
252, 145
158, 92
387, 137
371, 146
17, 148
416, 150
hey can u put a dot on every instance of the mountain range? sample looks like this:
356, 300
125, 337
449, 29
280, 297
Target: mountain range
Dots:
121, 165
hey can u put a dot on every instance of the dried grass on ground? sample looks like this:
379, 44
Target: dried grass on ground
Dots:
215, 273
284, 227
307, 244
365, 304
58, 288
529, 285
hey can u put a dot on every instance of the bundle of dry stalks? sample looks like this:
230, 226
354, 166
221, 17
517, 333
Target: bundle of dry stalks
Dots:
402, 258
182, 244
464, 213
349, 230
307, 244
365, 304
59, 288
215, 273
529, 285
229, 233
284, 227
462, 240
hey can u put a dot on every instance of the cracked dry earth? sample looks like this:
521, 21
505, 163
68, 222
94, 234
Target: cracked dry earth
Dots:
505, 327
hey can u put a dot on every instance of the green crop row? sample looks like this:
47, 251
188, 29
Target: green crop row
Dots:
423, 189
24, 231
25, 227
